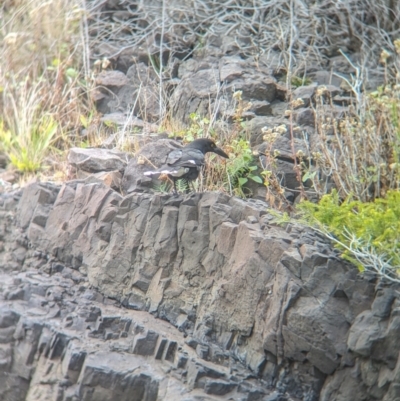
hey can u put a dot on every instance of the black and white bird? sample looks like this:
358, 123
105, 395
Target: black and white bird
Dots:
186, 163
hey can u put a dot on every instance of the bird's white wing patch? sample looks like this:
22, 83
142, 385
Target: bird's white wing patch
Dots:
179, 172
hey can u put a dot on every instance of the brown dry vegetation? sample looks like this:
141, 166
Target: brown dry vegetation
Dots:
44, 79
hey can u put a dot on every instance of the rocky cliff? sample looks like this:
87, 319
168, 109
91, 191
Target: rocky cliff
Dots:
155, 297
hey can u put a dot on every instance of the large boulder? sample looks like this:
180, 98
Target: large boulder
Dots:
134, 92
94, 160
200, 88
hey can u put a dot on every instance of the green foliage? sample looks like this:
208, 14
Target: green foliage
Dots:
45, 81
365, 232
86, 121
166, 186
198, 128
241, 166
155, 62
385, 105
360, 151
300, 81
27, 149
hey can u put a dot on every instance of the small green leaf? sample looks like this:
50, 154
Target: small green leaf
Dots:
242, 180
256, 178
71, 72
309, 175
84, 120
55, 62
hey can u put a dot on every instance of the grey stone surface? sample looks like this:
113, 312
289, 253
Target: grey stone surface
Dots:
268, 311
305, 93
94, 160
113, 78
199, 88
304, 116
91, 350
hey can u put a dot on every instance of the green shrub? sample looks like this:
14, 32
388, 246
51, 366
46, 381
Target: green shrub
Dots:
367, 233
300, 81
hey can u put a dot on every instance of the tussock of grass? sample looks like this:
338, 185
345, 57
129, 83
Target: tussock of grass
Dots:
26, 152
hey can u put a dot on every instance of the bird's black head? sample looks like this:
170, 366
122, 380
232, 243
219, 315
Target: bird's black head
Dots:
206, 145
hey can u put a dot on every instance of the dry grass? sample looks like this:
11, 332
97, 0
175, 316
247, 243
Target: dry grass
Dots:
361, 150
44, 78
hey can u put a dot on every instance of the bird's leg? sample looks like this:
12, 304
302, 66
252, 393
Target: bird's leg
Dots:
175, 191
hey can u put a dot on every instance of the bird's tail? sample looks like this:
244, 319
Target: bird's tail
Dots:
156, 172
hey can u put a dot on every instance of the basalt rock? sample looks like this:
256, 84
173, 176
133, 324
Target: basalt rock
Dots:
100, 290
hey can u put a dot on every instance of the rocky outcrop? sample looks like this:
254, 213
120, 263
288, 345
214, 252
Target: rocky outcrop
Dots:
62, 340
205, 87
117, 92
246, 309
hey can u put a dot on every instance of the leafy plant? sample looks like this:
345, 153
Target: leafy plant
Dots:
86, 121
275, 190
166, 185
241, 167
198, 128
368, 233
233, 174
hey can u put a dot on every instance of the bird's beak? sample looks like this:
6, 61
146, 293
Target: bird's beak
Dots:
220, 152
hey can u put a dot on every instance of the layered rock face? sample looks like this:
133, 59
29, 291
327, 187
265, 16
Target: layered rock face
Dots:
156, 297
